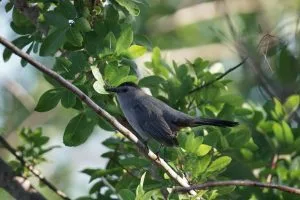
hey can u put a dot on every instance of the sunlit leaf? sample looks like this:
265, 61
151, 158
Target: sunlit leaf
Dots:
219, 164
125, 40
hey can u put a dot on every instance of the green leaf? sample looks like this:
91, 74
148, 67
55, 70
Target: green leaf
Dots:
110, 42
8, 6
278, 131
203, 149
93, 43
68, 99
111, 14
56, 19
53, 42
62, 65
67, 9
96, 187
192, 143
287, 132
246, 153
139, 190
83, 24
114, 74
152, 194
28, 51
20, 42
151, 81
125, 40
130, 6
291, 104
136, 162
99, 83
130, 78
23, 30
101, 29
48, 100
99, 87
278, 110
231, 99
136, 51
78, 130
219, 164
242, 112
202, 164
19, 19
40, 140
287, 67
239, 136
127, 194
199, 65
96, 73
74, 37
158, 67
79, 61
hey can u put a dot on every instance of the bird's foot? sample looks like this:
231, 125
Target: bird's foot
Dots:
158, 152
157, 156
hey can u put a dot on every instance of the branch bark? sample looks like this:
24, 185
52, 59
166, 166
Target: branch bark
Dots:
219, 77
239, 183
17, 186
33, 170
100, 111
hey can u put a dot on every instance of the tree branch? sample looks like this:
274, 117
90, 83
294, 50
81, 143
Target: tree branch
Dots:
100, 111
17, 186
34, 171
219, 77
239, 183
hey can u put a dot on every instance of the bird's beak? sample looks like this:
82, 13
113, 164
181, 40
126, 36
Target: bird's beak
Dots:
111, 89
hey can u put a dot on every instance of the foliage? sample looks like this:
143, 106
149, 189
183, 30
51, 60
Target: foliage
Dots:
95, 43
32, 150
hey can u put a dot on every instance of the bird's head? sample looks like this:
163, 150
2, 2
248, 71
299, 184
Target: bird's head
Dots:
126, 88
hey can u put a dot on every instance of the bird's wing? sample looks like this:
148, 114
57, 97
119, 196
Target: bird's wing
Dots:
153, 123
175, 119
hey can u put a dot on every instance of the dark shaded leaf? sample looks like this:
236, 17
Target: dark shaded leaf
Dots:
48, 100
56, 19
74, 37
78, 130
127, 194
130, 6
53, 42
68, 99
82, 24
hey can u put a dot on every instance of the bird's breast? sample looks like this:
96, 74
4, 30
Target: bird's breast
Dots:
128, 109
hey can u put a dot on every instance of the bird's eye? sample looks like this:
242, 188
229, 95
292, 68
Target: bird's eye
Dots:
125, 90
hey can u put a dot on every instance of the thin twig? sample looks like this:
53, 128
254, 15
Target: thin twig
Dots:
100, 111
273, 166
219, 77
239, 183
34, 171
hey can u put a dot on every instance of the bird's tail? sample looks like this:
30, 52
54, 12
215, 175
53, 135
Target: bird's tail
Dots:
214, 122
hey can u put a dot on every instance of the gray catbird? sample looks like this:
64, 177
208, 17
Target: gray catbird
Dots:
152, 118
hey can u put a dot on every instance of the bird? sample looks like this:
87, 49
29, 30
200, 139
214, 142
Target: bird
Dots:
151, 118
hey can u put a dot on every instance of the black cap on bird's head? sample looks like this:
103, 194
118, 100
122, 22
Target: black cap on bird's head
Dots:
123, 87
